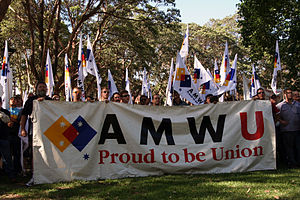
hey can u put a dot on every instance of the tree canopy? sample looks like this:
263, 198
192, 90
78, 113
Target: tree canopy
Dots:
263, 22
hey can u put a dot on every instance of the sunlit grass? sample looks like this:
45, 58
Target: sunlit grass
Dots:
280, 184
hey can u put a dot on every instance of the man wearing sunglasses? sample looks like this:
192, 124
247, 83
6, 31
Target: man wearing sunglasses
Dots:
125, 97
104, 94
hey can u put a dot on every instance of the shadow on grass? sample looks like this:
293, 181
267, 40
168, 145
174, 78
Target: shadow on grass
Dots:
281, 184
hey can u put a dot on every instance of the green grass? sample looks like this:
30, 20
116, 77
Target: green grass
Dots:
280, 184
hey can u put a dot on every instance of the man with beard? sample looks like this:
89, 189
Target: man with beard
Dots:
41, 91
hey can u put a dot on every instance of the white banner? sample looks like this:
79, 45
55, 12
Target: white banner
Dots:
100, 140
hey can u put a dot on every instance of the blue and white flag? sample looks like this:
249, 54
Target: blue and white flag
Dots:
111, 85
49, 75
183, 83
230, 81
82, 73
6, 79
277, 67
127, 86
169, 90
184, 51
92, 68
255, 84
145, 86
200, 74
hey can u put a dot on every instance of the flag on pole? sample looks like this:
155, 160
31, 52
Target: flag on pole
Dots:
127, 86
277, 67
200, 74
183, 83
184, 51
216, 73
145, 86
230, 81
209, 87
82, 73
169, 90
92, 67
225, 65
68, 86
111, 85
246, 88
255, 84
149, 89
6, 79
49, 75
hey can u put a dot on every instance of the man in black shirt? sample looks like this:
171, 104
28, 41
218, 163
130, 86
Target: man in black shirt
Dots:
41, 91
4, 143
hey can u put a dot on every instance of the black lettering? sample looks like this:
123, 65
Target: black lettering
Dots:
206, 124
165, 126
111, 119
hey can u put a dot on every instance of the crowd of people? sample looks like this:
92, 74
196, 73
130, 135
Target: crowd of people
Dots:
16, 121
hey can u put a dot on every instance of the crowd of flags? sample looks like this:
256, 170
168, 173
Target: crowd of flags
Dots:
193, 87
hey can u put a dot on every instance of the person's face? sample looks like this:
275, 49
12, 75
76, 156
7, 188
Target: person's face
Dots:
289, 95
105, 93
156, 100
261, 94
76, 94
125, 98
296, 96
143, 101
13, 103
41, 90
116, 98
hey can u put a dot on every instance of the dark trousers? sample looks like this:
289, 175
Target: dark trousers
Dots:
291, 141
6, 156
15, 148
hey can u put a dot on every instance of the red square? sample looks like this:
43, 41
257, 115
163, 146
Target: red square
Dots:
182, 78
71, 133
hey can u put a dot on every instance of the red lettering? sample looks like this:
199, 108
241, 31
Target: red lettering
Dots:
127, 158
259, 124
173, 155
103, 154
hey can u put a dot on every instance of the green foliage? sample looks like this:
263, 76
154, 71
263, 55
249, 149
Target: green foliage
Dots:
263, 22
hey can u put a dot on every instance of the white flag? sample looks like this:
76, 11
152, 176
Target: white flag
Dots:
68, 86
92, 68
255, 84
111, 85
277, 67
169, 91
225, 65
200, 74
49, 75
230, 81
183, 83
145, 87
6, 79
127, 86
246, 88
209, 87
82, 73
184, 51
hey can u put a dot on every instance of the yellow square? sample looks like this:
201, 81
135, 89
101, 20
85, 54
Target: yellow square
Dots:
55, 133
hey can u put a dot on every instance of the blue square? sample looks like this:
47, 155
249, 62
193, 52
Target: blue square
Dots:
86, 133
186, 82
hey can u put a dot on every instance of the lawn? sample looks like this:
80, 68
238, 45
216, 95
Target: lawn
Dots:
277, 184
